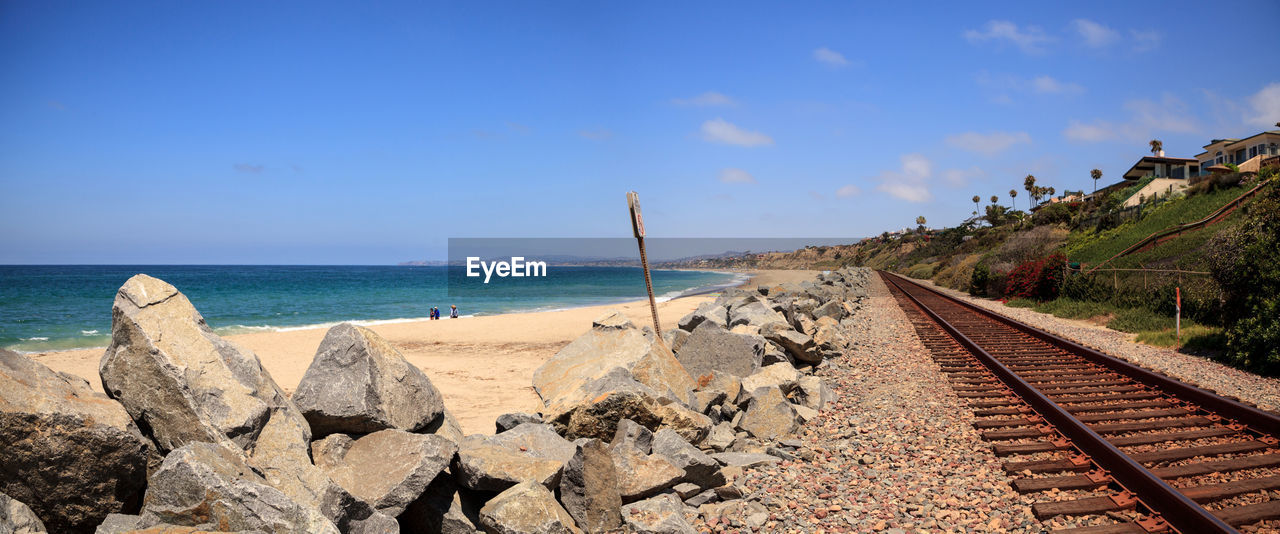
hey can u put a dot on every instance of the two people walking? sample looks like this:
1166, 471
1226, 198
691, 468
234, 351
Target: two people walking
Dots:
435, 312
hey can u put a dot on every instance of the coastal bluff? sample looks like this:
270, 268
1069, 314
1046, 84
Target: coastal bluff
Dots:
636, 433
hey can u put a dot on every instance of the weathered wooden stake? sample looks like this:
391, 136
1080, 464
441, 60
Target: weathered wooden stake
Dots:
637, 228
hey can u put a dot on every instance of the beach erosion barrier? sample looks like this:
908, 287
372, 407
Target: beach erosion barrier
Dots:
637, 432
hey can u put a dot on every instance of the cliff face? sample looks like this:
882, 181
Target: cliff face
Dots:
814, 257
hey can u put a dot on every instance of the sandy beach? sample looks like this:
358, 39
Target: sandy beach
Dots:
483, 366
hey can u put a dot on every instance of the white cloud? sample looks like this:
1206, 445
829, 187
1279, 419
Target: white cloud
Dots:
731, 175
1147, 119
596, 135
1028, 39
830, 57
721, 131
1145, 40
911, 182
988, 144
1264, 107
709, 98
848, 191
1052, 86
1095, 35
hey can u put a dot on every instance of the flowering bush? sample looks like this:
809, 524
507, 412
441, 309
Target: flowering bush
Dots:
1036, 279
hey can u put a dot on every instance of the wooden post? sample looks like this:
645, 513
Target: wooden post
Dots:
637, 228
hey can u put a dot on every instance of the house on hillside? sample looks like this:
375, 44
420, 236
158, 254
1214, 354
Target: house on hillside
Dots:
1247, 153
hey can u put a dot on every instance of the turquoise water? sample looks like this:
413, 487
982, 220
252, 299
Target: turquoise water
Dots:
67, 307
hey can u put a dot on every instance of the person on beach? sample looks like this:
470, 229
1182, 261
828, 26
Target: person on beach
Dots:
431, 315
453, 311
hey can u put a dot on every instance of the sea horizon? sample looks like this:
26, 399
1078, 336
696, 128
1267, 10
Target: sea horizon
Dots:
47, 308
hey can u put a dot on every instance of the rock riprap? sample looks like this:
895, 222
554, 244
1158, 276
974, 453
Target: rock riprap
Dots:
589, 489
177, 379
711, 348
526, 508
526, 453
358, 383
69, 453
389, 469
17, 518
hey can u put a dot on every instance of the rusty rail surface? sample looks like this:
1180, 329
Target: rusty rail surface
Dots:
1037, 393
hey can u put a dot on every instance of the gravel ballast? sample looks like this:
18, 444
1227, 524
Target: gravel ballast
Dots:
897, 450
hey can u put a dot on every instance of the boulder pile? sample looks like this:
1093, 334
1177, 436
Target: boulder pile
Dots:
638, 432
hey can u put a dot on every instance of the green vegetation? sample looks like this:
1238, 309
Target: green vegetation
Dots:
1233, 314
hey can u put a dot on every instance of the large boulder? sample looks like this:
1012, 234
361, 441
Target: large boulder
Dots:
389, 469
529, 452
800, 346
71, 454
755, 313
768, 415
358, 384
526, 508
613, 343
711, 348
177, 379
17, 518
508, 421
811, 392
779, 374
444, 507
642, 475
699, 468
280, 456
617, 396
589, 489
706, 312
663, 514
833, 309
210, 486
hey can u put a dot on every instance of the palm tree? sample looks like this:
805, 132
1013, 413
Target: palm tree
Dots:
1050, 191
976, 200
920, 223
1156, 146
995, 198
1013, 193
1029, 183
1096, 174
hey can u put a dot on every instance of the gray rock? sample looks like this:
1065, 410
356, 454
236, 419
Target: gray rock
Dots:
589, 489
811, 391
769, 416
528, 452
642, 475
389, 469
16, 518
704, 497
177, 379
744, 460
777, 375
617, 396
633, 434
720, 438
707, 401
699, 468
329, 452
601, 361
755, 314
70, 454
526, 508
508, 421
711, 348
708, 312
799, 346
686, 489
446, 426
118, 524
211, 486
675, 339
663, 514
804, 413
832, 309
358, 383
444, 507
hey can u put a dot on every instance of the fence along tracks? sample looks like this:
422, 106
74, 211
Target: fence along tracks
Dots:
1111, 438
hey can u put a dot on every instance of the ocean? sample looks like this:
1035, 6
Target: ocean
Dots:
62, 307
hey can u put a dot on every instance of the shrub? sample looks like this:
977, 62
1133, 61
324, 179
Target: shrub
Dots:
1053, 214
979, 280
1140, 320
1021, 303
1037, 279
1246, 264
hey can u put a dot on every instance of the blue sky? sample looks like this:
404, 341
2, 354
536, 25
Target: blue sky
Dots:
278, 132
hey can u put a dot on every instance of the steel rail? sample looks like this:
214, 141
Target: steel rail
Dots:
1259, 420
1180, 512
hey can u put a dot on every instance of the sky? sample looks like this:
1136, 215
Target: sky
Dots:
370, 133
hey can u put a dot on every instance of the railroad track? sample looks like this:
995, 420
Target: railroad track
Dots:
1109, 444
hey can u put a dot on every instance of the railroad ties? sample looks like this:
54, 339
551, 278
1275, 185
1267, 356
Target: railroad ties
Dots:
1158, 459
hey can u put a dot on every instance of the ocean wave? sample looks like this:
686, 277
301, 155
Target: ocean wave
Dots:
34, 339
89, 332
